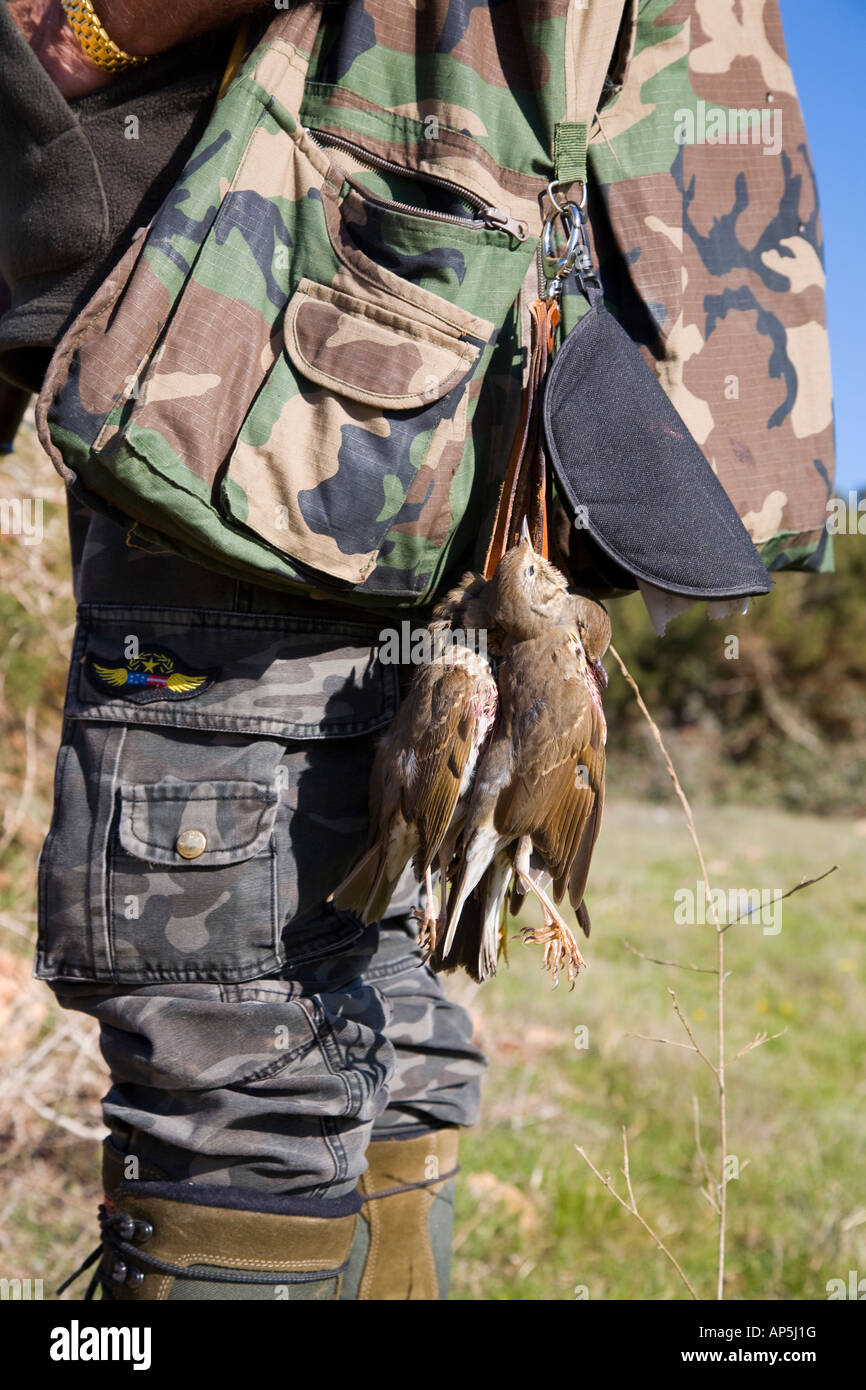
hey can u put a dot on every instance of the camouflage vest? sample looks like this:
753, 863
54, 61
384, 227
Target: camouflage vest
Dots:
307, 371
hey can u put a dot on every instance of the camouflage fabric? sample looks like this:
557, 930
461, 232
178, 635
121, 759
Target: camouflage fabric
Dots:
279, 1084
307, 371
712, 256
211, 789
199, 827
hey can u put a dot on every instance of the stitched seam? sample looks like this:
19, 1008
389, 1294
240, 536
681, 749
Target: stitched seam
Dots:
379, 313
368, 278
226, 849
466, 353
214, 1258
328, 89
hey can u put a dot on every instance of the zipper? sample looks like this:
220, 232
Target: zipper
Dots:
486, 214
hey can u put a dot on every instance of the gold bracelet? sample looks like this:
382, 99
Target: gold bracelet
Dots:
94, 41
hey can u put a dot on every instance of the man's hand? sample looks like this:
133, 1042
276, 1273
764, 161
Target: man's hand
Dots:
140, 27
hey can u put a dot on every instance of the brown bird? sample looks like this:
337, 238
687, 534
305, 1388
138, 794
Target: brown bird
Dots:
423, 772
539, 789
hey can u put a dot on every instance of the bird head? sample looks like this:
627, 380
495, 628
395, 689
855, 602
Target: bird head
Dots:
527, 593
593, 623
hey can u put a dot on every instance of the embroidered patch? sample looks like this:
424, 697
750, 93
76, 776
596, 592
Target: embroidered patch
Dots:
153, 675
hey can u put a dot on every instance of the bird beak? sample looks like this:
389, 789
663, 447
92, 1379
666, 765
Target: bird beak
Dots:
524, 533
600, 673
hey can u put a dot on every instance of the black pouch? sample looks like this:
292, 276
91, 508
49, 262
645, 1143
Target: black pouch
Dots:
631, 475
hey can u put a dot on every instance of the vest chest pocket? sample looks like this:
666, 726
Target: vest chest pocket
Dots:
187, 862
364, 418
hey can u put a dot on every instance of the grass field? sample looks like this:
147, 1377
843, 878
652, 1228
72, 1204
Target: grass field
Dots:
533, 1222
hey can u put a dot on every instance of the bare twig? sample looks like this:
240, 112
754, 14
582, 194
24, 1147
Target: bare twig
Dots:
684, 801
719, 1067
804, 883
45, 1112
678, 965
631, 1206
758, 1041
695, 1044
671, 1042
711, 1190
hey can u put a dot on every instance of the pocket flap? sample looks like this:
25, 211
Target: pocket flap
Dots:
370, 354
236, 673
200, 823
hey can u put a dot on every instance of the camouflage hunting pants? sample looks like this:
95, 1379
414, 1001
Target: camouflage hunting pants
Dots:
210, 792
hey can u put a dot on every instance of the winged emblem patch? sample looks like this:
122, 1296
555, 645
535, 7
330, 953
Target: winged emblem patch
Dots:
153, 675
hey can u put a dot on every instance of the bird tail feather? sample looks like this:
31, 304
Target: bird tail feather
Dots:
368, 889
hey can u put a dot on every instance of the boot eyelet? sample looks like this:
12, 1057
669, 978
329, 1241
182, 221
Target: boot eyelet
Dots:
124, 1225
143, 1232
119, 1272
135, 1279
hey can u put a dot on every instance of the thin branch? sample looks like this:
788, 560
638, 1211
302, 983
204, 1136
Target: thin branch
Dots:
758, 1041
671, 1042
710, 1190
804, 883
695, 1044
656, 960
631, 1206
45, 1112
684, 801
719, 1069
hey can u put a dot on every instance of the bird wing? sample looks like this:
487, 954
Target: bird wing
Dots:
556, 792
441, 734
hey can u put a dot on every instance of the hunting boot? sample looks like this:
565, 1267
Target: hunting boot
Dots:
402, 1245
166, 1241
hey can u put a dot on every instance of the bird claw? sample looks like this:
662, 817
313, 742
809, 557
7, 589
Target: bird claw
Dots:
557, 938
560, 949
428, 931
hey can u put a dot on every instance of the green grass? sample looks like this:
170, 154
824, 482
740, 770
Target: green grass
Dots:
797, 1213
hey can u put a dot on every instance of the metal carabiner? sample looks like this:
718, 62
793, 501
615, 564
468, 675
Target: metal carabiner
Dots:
560, 207
569, 215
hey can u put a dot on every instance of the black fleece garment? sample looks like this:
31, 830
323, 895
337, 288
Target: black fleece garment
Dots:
77, 178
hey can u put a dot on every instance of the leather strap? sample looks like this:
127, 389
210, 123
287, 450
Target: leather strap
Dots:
524, 491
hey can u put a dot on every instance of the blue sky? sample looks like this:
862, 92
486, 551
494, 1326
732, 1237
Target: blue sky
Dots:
827, 51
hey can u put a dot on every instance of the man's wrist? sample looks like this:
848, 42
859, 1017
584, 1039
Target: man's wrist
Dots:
145, 29
45, 27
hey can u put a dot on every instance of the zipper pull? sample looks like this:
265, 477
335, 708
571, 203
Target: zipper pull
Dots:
495, 217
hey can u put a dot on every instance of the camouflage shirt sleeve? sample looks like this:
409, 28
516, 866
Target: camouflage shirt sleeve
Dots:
710, 245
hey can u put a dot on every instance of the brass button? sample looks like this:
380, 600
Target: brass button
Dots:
191, 843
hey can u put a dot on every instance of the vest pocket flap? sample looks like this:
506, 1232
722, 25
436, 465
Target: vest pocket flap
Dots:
371, 354
203, 824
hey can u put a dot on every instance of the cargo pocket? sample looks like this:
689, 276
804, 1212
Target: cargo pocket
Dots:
189, 862
211, 791
364, 401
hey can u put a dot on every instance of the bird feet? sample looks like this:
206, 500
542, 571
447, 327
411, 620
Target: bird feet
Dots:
428, 930
429, 923
561, 950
